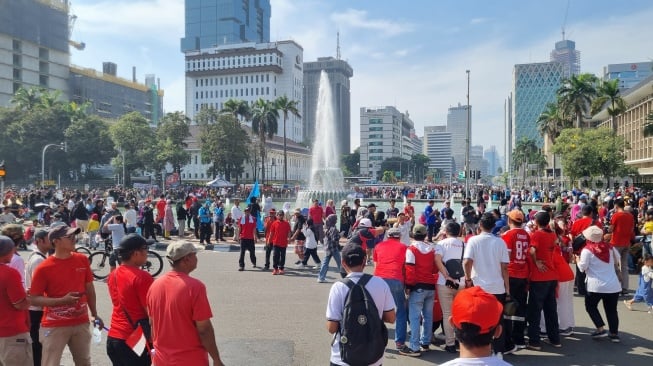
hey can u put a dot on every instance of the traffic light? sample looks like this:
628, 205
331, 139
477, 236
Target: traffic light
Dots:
2, 170
478, 174
472, 174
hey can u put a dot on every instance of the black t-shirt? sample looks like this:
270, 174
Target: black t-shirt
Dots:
469, 215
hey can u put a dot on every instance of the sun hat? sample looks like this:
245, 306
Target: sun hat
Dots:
593, 234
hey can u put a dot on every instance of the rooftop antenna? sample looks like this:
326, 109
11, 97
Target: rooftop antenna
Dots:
564, 21
338, 45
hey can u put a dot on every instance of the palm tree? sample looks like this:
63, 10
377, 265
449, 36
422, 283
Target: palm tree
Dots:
526, 152
551, 122
238, 108
286, 106
608, 93
26, 99
265, 124
648, 127
576, 94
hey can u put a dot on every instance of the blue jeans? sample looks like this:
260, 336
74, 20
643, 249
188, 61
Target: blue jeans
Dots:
397, 290
325, 264
420, 302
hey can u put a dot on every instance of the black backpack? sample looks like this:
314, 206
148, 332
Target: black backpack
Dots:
363, 335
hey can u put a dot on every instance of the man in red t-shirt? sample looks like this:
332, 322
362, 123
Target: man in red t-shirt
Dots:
389, 257
63, 285
180, 313
543, 283
517, 241
128, 286
316, 212
15, 347
271, 218
248, 238
622, 227
576, 229
280, 233
409, 211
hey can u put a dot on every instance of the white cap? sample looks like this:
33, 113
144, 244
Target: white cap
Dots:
365, 223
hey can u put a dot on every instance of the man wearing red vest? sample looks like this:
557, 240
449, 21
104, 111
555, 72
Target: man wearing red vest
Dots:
421, 275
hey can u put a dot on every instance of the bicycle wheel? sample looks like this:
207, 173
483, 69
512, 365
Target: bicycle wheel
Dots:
83, 250
100, 265
154, 264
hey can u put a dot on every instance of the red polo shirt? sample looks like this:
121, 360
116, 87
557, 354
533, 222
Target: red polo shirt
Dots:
279, 232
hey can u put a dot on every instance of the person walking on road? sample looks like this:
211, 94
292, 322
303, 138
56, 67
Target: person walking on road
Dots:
622, 226
332, 247
40, 253
236, 214
280, 232
248, 239
180, 313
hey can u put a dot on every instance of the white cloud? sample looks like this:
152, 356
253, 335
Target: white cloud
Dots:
352, 18
475, 21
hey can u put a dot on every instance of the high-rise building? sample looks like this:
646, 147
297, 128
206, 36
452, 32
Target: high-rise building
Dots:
110, 96
339, 73
493, 159
534, 86
508, 140
382, 131
565, 52
457, 126
211, 23
33, 46
437, 147
629, 74
246, 71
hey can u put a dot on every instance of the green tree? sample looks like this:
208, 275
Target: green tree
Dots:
133, 135
420, 164
351, 163
608, 94
89, 143
286, 106
647, 130
526, 152
388, 177
26, 99
225, 145
576, 94
171, 135
240, 109
265, 125
552, 121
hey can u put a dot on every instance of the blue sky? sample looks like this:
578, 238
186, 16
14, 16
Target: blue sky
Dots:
409, 54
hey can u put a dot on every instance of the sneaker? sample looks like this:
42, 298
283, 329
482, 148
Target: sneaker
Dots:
298, 262
614, 338
424, 347
567, 332
281, 272
321, 280
399, 345
499, 355
450, 349
549, 342
275, 272
599, 334
520, 346
266, 268
534, 346
254, 266
511, 350
406, 351
301, 266
240, 269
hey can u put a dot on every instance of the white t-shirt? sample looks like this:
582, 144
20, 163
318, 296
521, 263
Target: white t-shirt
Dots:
449, 248
478, 361
236, 213
379, 291
310, 242
601, 276
488, 252
18, 264
130, 217
117, 233
35, 258
405, 232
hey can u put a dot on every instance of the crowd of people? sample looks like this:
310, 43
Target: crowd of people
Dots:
423, 263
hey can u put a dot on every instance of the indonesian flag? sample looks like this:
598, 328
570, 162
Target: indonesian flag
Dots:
136, 341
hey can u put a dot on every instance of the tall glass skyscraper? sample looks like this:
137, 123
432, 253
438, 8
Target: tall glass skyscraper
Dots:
565, 52
211, 23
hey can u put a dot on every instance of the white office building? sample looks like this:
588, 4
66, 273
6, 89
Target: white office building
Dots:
384, 133
246, 71
437, 147
457, 126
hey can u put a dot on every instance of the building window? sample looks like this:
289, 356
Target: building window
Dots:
196, 159
43, 80
17, 45
376, 129
267, 90
17, 74
195, 175
16, 87
375, 121
44, 53
267, 78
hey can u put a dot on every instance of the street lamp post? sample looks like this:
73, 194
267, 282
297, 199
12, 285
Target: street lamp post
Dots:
62, 146
467, 140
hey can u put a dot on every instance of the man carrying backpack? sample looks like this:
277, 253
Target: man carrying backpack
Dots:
360, 335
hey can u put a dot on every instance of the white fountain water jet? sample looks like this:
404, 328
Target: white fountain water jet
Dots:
326, 180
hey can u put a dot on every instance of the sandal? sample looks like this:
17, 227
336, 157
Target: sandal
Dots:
628, 305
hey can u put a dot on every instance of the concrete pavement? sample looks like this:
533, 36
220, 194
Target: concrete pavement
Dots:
262, 319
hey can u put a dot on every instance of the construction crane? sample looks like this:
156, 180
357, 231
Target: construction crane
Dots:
72, 18
564, 21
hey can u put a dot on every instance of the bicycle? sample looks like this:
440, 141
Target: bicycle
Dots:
100, 267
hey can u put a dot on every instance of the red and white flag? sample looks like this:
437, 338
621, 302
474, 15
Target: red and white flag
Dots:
136, 341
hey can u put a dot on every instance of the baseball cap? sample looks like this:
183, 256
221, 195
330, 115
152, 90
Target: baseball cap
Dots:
371, 205
40, 234
365, 223
177, 251
394, 233
475, 306
60, 231
516, 215
6, 245
419, 229
353, 254
133, 242
583, 196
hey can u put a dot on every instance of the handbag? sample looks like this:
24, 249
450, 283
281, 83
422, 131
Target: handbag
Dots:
455, 266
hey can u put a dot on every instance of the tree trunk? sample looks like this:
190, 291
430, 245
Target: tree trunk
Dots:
285, 153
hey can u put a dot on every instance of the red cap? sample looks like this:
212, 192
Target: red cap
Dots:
475, 306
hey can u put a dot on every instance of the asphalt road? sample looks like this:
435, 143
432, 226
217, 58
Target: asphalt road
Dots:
268, 320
